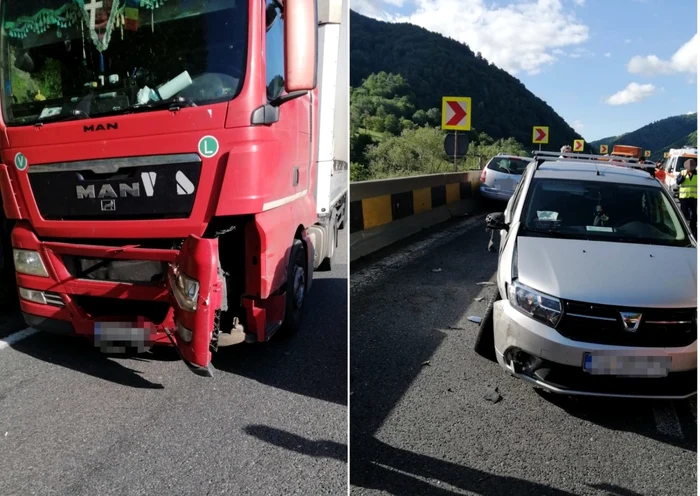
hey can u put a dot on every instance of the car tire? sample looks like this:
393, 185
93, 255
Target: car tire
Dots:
297, 275
484, 345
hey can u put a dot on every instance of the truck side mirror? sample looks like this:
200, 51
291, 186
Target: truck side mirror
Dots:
300, 45
496, 221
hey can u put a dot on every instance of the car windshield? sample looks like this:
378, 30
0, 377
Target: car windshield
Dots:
75, 59
508, 165
602, 211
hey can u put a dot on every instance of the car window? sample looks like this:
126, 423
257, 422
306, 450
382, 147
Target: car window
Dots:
602, 211
680, 163
513, 202
508, 165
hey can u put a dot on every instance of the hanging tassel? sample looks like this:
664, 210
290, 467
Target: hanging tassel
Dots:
131, 12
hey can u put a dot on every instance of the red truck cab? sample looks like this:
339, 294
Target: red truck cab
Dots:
160, 166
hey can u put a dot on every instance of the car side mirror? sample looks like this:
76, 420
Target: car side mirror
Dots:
496, 221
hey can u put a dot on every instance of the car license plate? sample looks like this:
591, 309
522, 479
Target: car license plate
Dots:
115, 337
626, 365
504, 184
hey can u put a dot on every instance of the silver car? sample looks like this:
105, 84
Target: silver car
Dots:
501, 175
597, 285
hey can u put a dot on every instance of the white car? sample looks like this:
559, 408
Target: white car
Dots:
597, 279
501, 175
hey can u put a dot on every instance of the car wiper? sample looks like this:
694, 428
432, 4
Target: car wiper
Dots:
172, 104
553, 232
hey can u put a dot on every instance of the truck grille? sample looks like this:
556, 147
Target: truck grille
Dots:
130, 271
97, 307
133, 188
601, 324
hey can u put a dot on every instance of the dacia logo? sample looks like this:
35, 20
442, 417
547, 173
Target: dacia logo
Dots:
107, 191
101, 127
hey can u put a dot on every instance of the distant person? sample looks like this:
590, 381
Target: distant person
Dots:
687, 182
565, 149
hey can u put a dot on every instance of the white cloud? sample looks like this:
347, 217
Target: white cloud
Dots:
608, 54
633, 93
628, 41
374, 8
683, 61
580, 3
518, 37
578, 126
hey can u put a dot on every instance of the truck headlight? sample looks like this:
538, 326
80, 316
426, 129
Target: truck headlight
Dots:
29, 262
186, 290
539, 306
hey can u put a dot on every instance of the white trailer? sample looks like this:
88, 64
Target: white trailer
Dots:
333, 147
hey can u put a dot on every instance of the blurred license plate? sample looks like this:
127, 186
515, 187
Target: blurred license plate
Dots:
504, 184
116, 336
627, 365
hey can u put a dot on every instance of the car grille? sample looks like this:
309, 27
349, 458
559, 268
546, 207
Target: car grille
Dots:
601, 324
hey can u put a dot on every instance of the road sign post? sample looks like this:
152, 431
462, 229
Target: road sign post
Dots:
578, 145
603, 149
456, 146
647, 153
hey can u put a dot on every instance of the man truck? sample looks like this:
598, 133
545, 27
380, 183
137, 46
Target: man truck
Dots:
175, 170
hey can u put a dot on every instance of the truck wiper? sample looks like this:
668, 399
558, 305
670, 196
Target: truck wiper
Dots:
74, 115
173, 104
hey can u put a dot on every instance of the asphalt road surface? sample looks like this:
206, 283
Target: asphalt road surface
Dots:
420, 423
273, 420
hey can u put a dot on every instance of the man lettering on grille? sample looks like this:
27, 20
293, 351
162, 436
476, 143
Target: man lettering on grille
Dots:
688, 193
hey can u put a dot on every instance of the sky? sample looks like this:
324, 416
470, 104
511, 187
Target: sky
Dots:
606, 66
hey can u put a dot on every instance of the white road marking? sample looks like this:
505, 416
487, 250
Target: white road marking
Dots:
667, 422
395, 261
16, 337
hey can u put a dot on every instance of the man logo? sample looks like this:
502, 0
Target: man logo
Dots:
149, 182
631, 321
184, 185
108, 205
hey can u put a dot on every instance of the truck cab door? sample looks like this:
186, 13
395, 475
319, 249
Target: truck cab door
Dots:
197, 295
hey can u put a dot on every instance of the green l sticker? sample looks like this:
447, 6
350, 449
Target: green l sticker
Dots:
208, 146
20, 161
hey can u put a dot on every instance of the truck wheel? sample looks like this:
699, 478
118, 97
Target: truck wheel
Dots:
484, 344
297, 277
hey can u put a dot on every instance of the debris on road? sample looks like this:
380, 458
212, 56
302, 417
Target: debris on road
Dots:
493, 395
455, 328
426, 363
437, 270
475, 319
480, 298
485, 283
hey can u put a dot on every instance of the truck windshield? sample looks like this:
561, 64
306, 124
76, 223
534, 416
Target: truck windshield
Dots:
603, 211
77, 59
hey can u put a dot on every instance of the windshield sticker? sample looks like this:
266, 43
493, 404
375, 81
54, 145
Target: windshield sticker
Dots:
599, 229
547, 215
21, 161
50, 112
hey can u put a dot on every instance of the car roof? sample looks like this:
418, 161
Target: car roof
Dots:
584, 170
503, 155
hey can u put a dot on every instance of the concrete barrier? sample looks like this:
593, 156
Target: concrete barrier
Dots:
388, 210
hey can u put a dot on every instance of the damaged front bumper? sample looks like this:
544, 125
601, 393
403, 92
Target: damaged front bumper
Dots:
180, 306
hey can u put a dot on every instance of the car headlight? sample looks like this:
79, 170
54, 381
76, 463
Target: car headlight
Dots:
29, 262
539, 306
186, 290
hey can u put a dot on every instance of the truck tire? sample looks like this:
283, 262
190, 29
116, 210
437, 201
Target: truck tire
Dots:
484, 344
297, 277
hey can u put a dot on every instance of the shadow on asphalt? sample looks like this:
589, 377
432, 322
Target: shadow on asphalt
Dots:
313, 362
80, 355
298, 444
383, 368
635, 416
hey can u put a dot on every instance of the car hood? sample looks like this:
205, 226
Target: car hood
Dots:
606, 273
